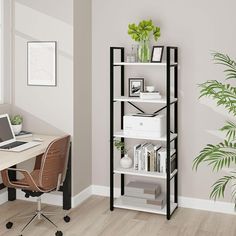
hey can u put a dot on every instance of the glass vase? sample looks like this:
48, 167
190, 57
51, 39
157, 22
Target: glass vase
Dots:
144, 51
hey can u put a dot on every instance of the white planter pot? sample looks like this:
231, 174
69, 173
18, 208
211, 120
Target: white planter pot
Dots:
17, 129
126, 162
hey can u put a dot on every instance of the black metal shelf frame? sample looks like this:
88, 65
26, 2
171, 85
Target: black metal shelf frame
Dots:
169, 67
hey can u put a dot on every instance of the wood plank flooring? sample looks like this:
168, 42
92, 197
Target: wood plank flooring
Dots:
93, 218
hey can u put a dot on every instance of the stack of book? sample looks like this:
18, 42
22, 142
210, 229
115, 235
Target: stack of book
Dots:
150, 95
144, 193
149, 157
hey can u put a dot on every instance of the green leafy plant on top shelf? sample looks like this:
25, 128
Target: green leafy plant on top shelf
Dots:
143, 30
141, 33
16, 120
120, 146
223, 154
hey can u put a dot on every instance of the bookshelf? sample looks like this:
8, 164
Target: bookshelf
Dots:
170, 138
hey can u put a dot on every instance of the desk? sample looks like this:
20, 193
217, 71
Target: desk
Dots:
11, 159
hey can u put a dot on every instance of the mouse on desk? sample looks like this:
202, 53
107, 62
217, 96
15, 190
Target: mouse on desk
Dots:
38, 139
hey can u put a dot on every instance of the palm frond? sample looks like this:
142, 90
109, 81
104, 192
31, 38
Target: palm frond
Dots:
217, 156
225, 60
230, 129
219, 186
224, 94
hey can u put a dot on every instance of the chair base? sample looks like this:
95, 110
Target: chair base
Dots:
39, 215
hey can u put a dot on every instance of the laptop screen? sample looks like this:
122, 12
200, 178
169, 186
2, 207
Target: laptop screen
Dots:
5, 130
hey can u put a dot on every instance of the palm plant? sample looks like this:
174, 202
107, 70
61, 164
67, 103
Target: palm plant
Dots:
222, 155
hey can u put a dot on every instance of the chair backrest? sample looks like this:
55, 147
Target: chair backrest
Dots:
54, 163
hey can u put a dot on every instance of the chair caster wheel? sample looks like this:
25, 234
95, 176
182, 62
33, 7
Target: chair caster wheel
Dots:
9, 225
59, 233
66, 219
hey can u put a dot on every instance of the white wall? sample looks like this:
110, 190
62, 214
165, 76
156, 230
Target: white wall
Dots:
65, 108
50, 105
196, 27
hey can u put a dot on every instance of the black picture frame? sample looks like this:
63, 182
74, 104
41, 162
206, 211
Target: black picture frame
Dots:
136, 85
54, 45
157, 53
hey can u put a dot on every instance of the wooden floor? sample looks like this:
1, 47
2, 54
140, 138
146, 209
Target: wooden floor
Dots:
93, 218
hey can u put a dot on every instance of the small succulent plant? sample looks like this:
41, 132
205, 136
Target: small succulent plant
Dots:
16, 120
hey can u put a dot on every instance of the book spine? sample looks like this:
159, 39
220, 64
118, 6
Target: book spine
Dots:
145, 159
162, 162
152, 164
136, 157
155, 165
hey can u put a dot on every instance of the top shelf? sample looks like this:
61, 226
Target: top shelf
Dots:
143, 64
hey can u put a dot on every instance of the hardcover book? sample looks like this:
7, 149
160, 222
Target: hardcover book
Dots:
143, 189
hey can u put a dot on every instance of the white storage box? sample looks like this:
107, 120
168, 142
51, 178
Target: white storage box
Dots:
148, 126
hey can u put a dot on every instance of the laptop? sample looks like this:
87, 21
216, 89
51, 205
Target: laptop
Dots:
8, 140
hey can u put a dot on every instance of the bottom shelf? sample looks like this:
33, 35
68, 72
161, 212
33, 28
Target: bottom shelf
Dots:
119, 203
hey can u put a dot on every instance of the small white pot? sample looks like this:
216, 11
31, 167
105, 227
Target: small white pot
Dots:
126, 162
17, 129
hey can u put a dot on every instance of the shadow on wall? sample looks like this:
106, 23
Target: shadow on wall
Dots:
34, 124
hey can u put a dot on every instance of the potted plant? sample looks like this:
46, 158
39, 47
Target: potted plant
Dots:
16, 122
126, 161
141, 33
221, 156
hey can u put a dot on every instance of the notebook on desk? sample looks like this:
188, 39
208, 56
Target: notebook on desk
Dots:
8, 140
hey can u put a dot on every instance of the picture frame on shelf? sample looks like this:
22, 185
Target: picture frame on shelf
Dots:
136, 85
42, 63
157, 53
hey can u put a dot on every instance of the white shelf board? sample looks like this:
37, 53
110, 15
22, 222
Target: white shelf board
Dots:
122, 134
130, 99
142, 64
119, 203
142, 173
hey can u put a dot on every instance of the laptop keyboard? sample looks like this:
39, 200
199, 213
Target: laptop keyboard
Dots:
13, 145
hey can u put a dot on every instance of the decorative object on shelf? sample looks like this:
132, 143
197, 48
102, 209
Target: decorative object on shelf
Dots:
145, 125
141, 189
157, 53
150, 88
41, 63
126, 161
16, 122
146, 157
141, 33
136, 85
221, 156
132, 57
150, 95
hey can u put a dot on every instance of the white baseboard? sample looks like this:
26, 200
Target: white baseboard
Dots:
207, 205
81, 197
186, 202
104, 191
3, 197
55, 198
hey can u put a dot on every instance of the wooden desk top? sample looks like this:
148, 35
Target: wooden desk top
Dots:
8, 159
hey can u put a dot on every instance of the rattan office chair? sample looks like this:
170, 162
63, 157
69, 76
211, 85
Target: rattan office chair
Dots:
48, 175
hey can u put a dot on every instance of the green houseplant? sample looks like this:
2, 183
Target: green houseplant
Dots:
16, 122
222, 155
126, 161
141, 33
